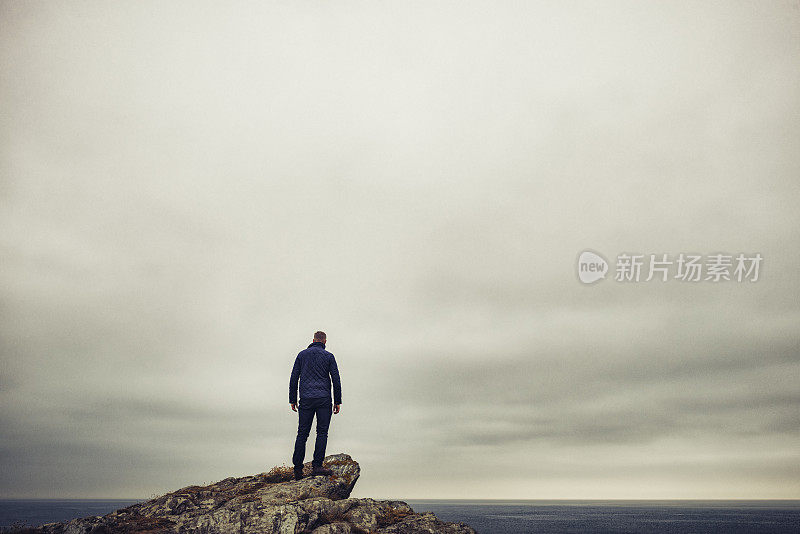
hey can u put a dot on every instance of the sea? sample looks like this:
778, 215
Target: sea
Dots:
515, 516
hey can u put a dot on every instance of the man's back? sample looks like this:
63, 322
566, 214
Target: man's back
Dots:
313, 369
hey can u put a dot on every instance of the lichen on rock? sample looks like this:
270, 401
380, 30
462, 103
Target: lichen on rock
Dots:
266, 503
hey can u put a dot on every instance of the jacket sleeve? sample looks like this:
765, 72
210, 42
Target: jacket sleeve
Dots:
293, 381
337, 384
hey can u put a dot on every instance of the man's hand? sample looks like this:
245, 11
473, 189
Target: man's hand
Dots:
294, 406
336, 408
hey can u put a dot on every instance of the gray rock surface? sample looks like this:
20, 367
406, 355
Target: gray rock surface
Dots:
271, 502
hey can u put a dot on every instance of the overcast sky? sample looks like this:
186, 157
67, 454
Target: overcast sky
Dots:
189, 190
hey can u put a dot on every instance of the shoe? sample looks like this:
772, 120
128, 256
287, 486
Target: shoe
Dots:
298, 474
320, 471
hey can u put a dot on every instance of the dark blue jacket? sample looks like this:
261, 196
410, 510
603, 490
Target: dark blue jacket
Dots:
314, 367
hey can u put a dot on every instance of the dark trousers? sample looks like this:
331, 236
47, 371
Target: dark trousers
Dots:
308, 408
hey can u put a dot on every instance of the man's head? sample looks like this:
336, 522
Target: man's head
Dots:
319, 335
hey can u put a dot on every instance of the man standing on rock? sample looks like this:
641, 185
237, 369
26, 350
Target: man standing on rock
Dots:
314, 368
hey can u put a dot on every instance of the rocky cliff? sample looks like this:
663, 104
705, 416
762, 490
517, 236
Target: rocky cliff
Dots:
271, 502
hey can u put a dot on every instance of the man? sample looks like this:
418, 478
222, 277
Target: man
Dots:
314, 368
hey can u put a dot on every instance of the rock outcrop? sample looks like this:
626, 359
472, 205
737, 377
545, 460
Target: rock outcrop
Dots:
268, 503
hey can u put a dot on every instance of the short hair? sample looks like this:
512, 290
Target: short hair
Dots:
319, 335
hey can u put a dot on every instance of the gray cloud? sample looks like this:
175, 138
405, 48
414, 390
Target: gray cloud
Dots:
185, 202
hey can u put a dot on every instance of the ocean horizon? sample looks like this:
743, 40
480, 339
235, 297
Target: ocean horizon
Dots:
514, 516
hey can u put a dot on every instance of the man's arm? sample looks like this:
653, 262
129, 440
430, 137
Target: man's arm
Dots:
337, 384
293, 382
